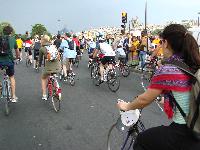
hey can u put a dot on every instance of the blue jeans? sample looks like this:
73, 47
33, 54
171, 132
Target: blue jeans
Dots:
142, 56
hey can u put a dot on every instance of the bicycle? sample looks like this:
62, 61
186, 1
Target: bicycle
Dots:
110, 77
124, 68
37, 64
6, 90
122, 134
28, 61
148, 71
76, 61
54, 91
70, 75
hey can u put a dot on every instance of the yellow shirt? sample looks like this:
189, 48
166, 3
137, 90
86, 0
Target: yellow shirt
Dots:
156, 41
19, 43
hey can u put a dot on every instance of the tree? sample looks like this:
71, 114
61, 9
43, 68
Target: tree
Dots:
38, 29
4, 24
156, 31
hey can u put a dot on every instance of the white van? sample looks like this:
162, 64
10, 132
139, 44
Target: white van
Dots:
195, 31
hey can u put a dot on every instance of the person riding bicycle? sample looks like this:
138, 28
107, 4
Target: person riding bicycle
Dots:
69, 53
7, 60
36, 48
19, 45
108, 55
28, 47
50, 67
178, 45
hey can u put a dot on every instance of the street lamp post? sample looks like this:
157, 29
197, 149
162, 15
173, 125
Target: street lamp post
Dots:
198, 18
58, 25
146, 23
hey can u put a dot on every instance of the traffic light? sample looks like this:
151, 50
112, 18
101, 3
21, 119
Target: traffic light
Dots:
124, 17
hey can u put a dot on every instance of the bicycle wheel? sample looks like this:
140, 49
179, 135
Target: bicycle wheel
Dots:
77, 62
37, 68
96, 77
72, 79
93, 70
7, 98
145, 80
56, 97
28, 62
119, 140
113, 81
125, 70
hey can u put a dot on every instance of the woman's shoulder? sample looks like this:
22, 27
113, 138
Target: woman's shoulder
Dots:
168, 69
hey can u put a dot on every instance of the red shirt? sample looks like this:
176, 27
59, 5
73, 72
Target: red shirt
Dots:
76, 41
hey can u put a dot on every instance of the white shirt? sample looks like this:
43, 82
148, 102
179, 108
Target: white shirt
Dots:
121, 52
106, 49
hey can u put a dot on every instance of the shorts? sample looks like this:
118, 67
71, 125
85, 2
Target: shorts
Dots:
51, 67
10, 70
108, 59
78, 51
36, 54
28, 49
66, 60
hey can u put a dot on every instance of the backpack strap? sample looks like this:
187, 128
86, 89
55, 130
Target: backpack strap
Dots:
196, 114
179, 107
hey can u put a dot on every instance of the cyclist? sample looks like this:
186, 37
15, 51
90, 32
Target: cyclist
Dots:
77, 42
19, 45
179, 45
69, 53
58, 41
108, 55
28, 44
50, 66
8, 60
36, 47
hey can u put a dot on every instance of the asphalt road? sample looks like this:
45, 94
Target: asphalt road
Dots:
86, 115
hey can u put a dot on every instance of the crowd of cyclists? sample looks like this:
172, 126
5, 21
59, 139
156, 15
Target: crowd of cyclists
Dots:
58, 54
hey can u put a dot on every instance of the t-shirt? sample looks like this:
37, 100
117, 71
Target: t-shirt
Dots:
19, 43
12, 45
120, 51
106, 49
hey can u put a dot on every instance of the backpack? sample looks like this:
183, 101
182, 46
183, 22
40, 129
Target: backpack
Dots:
4, 45
52, 53
37, 45
193, 118
71, 44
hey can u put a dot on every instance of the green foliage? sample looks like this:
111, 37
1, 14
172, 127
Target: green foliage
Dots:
156, 32
4, 24
38, 29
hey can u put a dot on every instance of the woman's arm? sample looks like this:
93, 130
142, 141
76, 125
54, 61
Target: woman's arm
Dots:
141, 101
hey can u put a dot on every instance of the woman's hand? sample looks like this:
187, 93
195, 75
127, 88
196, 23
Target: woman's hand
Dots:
123, 105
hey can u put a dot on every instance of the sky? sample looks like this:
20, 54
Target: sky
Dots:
78, 15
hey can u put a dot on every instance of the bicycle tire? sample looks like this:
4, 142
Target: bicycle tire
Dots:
72, 80
125, 71
96, 77
117, 140
28, 63
7, 99
113, 81
56, 98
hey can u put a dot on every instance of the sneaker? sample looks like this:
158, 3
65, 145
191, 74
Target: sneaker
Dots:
14, 100
44, 97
